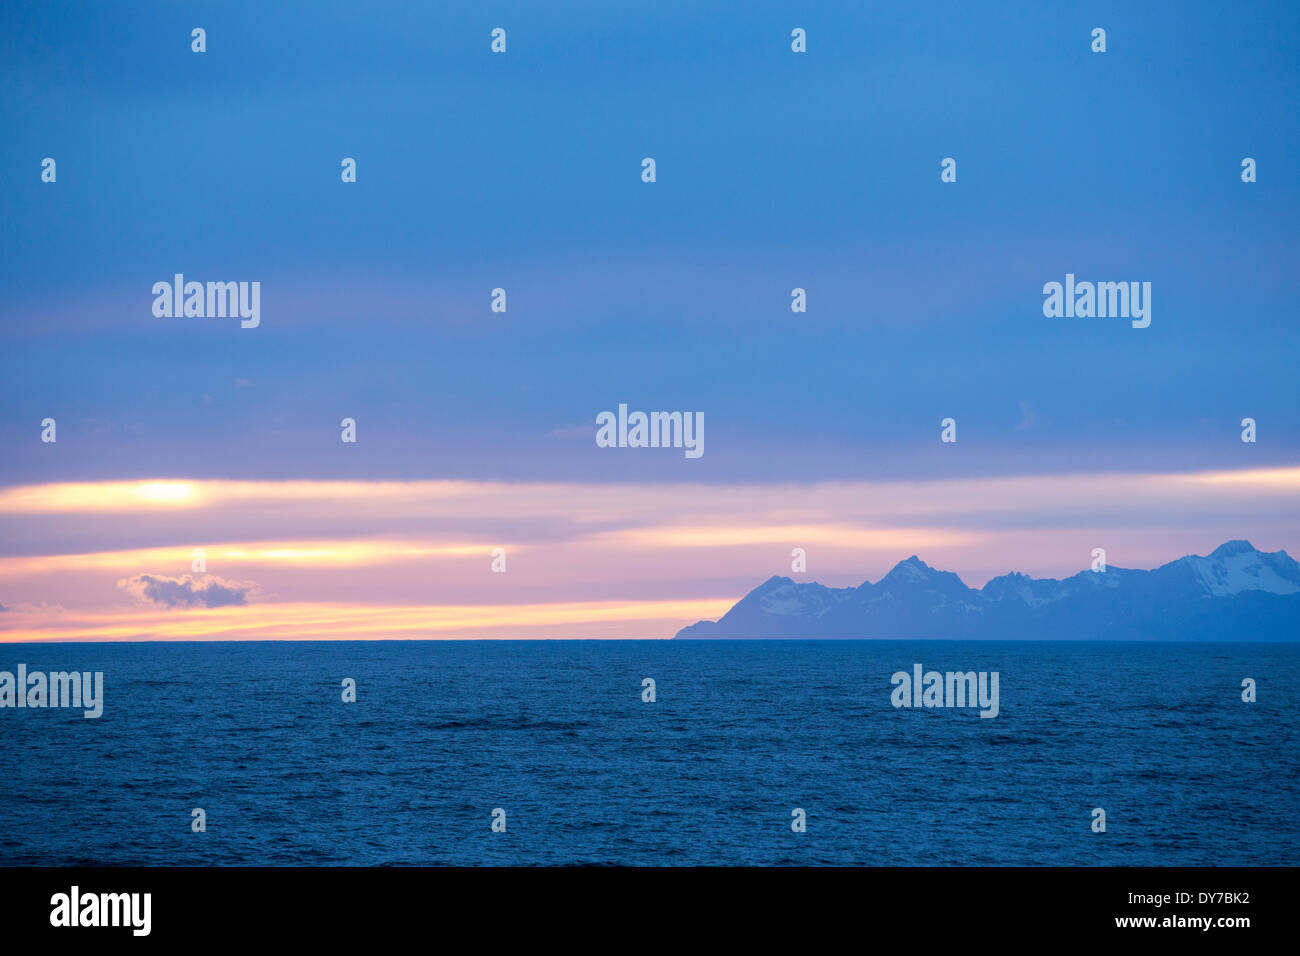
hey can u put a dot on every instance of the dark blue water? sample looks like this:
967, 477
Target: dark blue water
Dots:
556, 734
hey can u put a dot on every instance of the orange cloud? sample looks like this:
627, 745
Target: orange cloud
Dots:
341, 553
324, 621
320, 543
837, 535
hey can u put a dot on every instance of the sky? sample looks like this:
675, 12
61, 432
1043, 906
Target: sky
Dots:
476, 429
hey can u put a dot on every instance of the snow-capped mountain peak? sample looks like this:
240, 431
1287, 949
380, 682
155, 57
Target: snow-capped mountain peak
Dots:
1236, 566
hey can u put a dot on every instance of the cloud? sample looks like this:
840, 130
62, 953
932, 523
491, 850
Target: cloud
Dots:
3, 608
584, 430
315, 621
1027, 417
367, 544
187, 591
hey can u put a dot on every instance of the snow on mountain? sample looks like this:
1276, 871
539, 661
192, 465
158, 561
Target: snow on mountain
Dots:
1236, 566
780, 596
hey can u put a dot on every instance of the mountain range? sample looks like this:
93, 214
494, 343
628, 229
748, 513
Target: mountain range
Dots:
1234, 594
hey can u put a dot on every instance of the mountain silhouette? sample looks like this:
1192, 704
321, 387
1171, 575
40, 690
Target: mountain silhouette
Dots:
1234, 594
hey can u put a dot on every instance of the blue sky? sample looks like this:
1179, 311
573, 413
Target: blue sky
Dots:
775, 170
476, 429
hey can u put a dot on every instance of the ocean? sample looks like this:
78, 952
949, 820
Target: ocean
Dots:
740, 735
